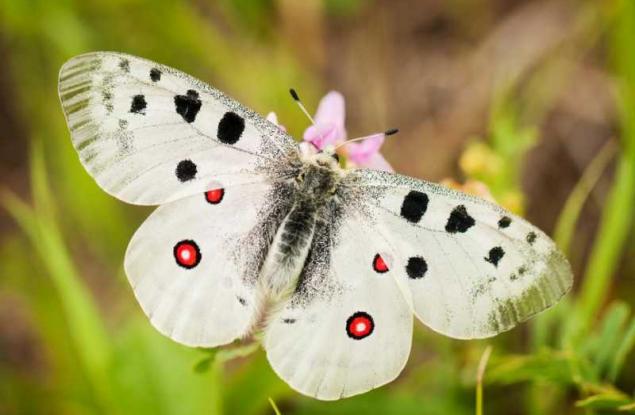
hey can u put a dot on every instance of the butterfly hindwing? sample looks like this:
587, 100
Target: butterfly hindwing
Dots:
347, 328
150, 134
193, 263
473, 269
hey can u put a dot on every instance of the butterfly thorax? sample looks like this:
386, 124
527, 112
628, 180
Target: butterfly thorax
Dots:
318, 178
315, 187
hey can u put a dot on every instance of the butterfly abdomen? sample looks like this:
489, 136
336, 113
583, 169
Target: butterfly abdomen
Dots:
289, 248
297, 230
314, 188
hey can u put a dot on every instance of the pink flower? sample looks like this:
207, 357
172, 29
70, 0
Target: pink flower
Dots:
329, 131
273, 118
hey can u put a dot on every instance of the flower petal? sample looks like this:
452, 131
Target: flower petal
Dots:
306, 148
331, 110
361, 153
273, 118
378, 162
321, 135
329, 122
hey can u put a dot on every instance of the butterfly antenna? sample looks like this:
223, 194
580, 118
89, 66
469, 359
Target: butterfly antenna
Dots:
386, 133
297, 100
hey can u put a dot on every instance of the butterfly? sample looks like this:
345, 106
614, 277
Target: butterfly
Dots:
252, 235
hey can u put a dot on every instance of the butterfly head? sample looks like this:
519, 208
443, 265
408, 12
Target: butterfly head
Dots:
329, 153
319, 175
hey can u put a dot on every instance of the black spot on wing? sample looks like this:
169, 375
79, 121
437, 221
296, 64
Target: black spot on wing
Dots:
230, 128
124, 137
186, 170
188, 105
504, 222
106, 99
155, 75
124, 64
459, 220
495, 255
522, 270
138, 105
416, 267
531, 237
241, 300
288, 320
414, 206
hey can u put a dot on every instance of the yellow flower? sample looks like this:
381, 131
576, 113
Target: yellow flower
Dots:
472, 187
479, 160
511, 200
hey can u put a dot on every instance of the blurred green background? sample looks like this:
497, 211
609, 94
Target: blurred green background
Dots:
536, 99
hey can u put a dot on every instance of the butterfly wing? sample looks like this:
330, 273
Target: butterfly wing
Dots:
193, 264
347, 328
473, 269
150, 134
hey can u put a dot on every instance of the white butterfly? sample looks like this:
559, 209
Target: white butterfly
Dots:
250, 234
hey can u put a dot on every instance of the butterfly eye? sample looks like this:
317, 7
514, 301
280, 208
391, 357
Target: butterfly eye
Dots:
336, 157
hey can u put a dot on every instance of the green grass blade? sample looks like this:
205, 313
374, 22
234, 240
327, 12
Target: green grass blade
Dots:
622, 351
276, 411
609, 336
84, 322
565, 226
617, 216
479, 379
614, 227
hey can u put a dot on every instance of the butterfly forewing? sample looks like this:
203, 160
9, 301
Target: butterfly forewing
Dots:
472, 268
150, 134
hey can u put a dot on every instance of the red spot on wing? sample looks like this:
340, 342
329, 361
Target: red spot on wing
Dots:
379, 265
187, 254
359, 325
214, 196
